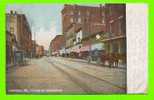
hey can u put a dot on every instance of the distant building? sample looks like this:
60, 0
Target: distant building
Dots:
39, 51
46, 52
56, 45
33, 48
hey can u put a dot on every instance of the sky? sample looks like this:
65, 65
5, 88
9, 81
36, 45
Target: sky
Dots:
45, 20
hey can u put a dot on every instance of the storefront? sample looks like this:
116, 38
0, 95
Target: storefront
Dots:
62, 52
75, 50
84, 51
117, 47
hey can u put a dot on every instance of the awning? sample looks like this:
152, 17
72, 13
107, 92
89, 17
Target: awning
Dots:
85, 48
76, 48
56, 52
98, 46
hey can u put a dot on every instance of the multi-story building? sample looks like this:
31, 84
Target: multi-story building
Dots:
39, 51
116, 30
24, 33
18, 25
82, 24
11, 42
57, 44
10, 46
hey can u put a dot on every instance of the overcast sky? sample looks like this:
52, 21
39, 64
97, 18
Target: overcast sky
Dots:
45, 20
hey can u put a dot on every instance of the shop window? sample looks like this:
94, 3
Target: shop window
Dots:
114, 47
123, 47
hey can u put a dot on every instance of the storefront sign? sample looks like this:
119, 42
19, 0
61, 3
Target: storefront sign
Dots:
98, 46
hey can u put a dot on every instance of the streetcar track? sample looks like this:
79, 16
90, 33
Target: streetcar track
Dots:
86, 63
82, 85
75, 69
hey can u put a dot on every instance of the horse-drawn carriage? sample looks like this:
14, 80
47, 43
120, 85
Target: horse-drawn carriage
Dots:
112, 59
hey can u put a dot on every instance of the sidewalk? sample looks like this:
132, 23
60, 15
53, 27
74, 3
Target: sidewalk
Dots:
27, 61
92, 62
10, 65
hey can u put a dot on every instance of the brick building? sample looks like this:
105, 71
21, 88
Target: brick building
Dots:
81, 24
24, 34
18, 25
56, 45
33, 48
39, 52
18, 37
116, 28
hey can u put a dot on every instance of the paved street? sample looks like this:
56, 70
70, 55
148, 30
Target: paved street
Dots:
63, 75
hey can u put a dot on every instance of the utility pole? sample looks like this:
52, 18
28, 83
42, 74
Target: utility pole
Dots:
34, 45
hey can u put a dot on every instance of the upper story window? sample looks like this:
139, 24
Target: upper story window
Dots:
79, 20
72, 13
110, 28
103, 22
71, 20
103, 14
110, 11
88, 13
120, 27
79, 13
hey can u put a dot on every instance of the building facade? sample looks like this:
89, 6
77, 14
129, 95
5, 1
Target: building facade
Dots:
81, 24
33, 48
24, 34
11, 42
39, 51
116, 30
57, 45
19, 36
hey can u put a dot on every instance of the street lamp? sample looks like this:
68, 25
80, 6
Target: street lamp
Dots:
98, 36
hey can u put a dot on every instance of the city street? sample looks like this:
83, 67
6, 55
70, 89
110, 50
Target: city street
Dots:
64, 75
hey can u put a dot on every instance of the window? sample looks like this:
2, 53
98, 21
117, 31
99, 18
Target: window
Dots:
72, 13
79, 13
79, 20
103, 14
103, 21
110, 28
71, 20
88, 13
120, 27
110, 11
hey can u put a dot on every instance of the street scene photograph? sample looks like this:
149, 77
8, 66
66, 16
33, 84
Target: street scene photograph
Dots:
66, 49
